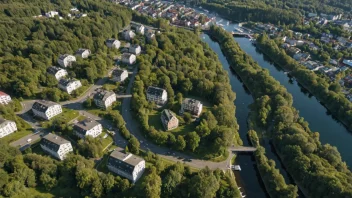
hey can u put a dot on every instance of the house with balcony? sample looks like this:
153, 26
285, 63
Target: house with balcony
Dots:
83, 53
4, 98
69, 85
128, 58
169, 120
87, 127
134, 49
66, 60
192, 106
46, 109
56, 146
156, 95
7, 127
57, 72
113, 43
119, 75
104, 99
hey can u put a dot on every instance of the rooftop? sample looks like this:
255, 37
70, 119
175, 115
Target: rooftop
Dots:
81, 50
53, 141
3, 122
103, 95
124, 161
3, 94
126, 55
53, 70
85, 125
118, 72
155, 91
167, 114
65, 82
63, 56
43, 105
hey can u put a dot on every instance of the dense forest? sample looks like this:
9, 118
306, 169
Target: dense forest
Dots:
316, 167
179, 62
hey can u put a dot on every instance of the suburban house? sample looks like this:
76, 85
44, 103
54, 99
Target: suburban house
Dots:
51, 14
134, 49
58, 72
191, 105
301, 56
83, 53
128, 35
46, 109
150, 34
157, 95
104, 99
66, 60
7, 127
169, 120
128, 58
113, 43
4, 98
119, 75
138, 28
69, 85
56, 146
126, 165
88, 127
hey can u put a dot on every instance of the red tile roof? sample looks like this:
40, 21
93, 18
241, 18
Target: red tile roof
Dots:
3, 94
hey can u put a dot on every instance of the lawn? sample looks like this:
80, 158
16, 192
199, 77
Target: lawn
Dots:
66, 115
102, 112
105, 142
23, 129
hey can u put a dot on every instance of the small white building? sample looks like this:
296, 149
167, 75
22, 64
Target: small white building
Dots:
51, 14
4, 98
104, 99
88, 127
7, 127
139, 28
69, 85
66, 60
191, 105
126, 165
113, 43
46, 109
83, 53
134, 49
56, 146
57, 72
157, 95
119, 75
128, 35
128, 58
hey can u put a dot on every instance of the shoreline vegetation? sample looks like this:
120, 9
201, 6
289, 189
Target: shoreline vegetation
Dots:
318, 168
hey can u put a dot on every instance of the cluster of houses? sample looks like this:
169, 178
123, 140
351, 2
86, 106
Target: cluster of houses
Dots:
74, 13
7, 127
168, 118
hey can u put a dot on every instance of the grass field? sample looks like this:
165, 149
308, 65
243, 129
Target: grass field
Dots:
26, 130
66, 115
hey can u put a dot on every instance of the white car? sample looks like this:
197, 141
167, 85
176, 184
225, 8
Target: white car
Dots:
29, 140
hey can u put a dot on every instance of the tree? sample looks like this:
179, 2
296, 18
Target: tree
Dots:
133, 145
180, 143
151, 184
193, 140
170, 183
204, 184
187, 117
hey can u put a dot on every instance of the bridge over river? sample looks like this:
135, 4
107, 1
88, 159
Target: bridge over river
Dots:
243, 149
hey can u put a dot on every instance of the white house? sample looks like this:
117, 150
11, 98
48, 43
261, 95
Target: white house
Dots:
7, 127
157, 95
139, 28
113, 43
51, 14
134, 49
128, 58
69, 85
88, 127
128, 35
46, 109
57, 72
104, 99
119, 75
4, 98
150, 34
191, 105
56, 146
126, 165
66, 60
83, 53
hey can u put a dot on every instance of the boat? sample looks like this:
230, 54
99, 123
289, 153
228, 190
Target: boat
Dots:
236, 167
239, 30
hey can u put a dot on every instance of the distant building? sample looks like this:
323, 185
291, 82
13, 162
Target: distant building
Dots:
83, 53
150, 35
169, 120
66, 60
51, 14
113, 43
126, 165
119, 75
139, 28
58, 72
88, 127
128, 58
104, 99
46, 109
128, 35
7, 127
134, 49
301, 56
69, 85
157, 95
191, 105
311, 15
347, 62
4, 98
56, 146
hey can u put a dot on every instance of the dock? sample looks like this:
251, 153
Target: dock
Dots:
240, 34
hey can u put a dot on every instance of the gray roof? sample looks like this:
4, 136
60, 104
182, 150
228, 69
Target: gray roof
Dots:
4, 122
134, 46
53, 70
167, 114
111, 41
65, 82
43, 105
81, 50
118, 72
191, 101
83, 126
118, 160
126, 55
155, 91
103, 95
63, 56
53, 141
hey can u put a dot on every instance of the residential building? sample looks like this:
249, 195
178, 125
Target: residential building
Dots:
128, 58
88, 127
169, 120
104, 99
150, 35
7, 127
4, 98
128, 35
139, 28
58, 72
69, 85
157, 95
46, 109
51, 14
83, 53
134, 49
66, 60
119, 75
191, 105
301, 56
126, 165
113, 43
56, 146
